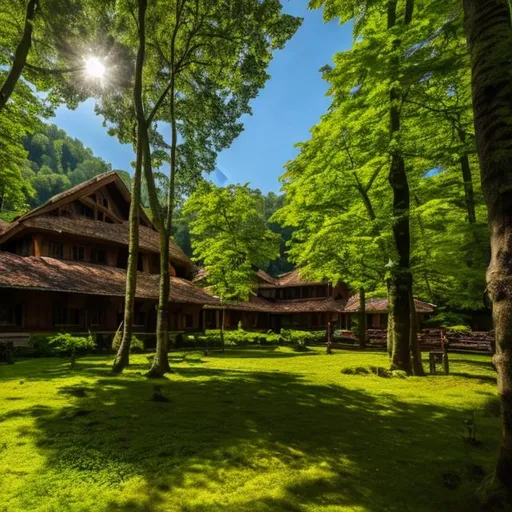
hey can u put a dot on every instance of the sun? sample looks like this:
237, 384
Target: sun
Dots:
94, 67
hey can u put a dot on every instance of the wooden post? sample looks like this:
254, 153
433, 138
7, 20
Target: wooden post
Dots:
222, 328
362, 319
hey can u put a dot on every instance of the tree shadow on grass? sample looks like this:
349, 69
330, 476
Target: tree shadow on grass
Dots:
249, 353
222, 431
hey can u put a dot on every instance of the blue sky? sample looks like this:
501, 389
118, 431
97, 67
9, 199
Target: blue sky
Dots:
292, 101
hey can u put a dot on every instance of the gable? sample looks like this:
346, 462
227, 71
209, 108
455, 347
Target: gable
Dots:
104, 197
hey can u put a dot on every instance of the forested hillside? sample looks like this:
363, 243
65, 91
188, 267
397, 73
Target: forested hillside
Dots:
54, 162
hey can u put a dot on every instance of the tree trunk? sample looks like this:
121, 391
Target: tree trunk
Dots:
467, 178
489, 34
20, 55
362, 319
391, 330
223, 320
160, 364
417, 365
123, 354
401, 277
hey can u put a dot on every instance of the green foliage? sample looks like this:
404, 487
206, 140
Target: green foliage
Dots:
458, 329
230, 237
338, 198
67, 343
136, 345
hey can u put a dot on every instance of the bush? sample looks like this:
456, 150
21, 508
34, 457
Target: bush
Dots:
41, 345
136, 345
448, 318
67, 344
459, 329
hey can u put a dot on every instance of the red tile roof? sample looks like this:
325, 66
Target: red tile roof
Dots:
49, 274
380, 305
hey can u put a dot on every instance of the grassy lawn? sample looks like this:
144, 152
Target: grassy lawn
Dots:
245, 431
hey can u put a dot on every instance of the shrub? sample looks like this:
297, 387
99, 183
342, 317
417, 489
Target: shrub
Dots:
41, 345
459, 329
68, 344
136, 345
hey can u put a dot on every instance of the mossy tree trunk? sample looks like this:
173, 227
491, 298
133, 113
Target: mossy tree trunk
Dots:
489, 35
20, 54
123, 354
401, 277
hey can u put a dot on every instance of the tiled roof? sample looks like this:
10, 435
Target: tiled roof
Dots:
4, 226
50, 274
292, 278
380, 305
108, 176
262, 305
266, 278
99, 230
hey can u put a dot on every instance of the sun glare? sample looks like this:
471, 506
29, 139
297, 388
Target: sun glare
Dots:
94, 67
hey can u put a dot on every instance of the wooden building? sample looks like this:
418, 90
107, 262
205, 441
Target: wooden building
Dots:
377, 311
286, 302
63, 266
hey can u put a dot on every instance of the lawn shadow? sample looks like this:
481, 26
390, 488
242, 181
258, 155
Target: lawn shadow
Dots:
219, 423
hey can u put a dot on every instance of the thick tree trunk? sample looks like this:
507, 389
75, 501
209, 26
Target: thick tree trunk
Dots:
417, 366
489, 34
401, 277
20, 55
123, 354
362, 319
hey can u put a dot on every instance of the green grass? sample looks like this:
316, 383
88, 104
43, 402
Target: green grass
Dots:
248, 430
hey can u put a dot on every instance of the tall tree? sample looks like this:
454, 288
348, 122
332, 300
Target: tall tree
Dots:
489, 35
122, 356
230, 237
215, 56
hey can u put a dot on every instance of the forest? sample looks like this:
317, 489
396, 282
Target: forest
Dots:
402, 189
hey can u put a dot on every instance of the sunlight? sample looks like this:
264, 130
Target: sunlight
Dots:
94, 67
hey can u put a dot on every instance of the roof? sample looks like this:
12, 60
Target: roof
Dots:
118, 233
262, 305
266, 278
4, 226
49, 274
292, 278
380, 305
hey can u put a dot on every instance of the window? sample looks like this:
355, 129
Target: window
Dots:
99, 256
139, 316
11, 315
78, 253
101, 216
67, 316
95, 318
140, 264
56, 250
189, 321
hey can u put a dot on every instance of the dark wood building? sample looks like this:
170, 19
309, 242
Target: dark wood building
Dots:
63, 266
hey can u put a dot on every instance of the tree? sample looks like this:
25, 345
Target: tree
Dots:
123, 354
230, 238
215, 58
489, 35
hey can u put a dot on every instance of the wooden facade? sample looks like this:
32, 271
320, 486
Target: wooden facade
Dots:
63, 265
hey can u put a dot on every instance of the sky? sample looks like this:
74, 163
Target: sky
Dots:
283, 113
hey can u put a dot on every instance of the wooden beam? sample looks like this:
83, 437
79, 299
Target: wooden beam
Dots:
99, 207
